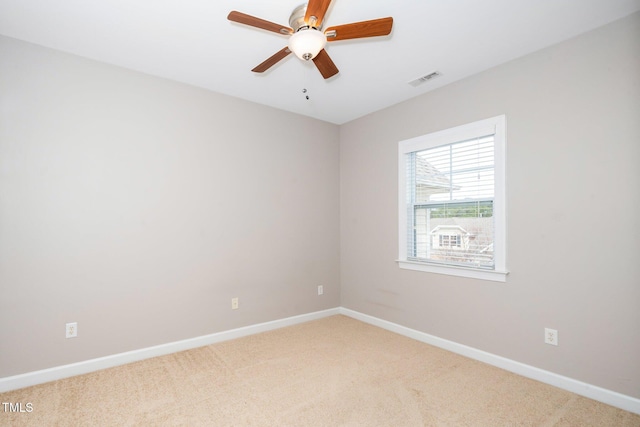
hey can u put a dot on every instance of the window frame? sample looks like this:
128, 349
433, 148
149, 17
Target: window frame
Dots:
495, 126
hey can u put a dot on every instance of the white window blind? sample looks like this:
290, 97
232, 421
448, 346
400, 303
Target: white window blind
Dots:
450, 193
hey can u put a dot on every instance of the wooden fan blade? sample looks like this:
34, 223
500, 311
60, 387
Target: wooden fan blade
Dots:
325, 65
316, 8
272, 60
356, 30
243, 18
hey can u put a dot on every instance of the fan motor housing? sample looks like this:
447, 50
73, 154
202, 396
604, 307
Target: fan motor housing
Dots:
296, 20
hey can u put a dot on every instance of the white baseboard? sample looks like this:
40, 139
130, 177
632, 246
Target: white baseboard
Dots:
65, 371
609, 397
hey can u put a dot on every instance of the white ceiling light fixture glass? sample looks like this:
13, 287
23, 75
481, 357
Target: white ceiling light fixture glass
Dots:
306, 43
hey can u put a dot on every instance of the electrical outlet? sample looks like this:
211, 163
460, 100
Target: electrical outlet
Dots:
234, 303
320, 289
550, 336
71, 330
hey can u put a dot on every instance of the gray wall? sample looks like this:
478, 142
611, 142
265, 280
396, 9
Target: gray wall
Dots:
573, 143
139, 207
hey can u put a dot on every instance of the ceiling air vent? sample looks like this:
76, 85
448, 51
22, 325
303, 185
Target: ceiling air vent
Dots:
425, 78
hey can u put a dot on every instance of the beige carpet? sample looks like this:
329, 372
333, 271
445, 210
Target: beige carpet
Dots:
331, 372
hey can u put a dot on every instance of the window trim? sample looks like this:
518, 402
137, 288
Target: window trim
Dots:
492, 126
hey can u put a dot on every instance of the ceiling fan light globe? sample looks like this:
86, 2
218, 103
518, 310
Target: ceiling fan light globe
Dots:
306, 43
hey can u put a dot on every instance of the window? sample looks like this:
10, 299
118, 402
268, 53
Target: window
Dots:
449, 241
452, 201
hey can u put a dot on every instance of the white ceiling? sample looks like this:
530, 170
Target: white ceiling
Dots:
191, 41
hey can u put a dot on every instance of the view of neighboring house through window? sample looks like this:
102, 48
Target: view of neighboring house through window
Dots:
451, 185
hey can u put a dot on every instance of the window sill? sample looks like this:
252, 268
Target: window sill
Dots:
492, 275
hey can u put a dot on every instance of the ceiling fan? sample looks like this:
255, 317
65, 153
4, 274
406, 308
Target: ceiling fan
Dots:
306, 38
